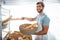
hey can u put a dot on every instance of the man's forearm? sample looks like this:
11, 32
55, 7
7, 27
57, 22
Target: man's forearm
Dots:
41, 33
6, 20
30, 19
16, 19
44, 31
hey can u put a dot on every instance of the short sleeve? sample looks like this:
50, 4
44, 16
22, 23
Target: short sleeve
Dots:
35, 17
46, 21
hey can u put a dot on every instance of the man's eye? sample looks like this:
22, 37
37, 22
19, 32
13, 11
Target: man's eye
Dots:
38, 6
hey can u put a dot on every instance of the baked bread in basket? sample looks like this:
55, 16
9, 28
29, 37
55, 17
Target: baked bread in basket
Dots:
28, 28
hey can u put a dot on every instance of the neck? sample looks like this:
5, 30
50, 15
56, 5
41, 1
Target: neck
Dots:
41, 13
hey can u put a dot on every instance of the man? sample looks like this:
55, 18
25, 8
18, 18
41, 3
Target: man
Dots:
42, 20
4, 22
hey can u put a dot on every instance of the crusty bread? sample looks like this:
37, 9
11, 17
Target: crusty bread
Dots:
17, 36
28, 28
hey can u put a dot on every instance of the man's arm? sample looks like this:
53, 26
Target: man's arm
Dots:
17, 19
23, 18
30, 19
45, 25
6, 20
44, 31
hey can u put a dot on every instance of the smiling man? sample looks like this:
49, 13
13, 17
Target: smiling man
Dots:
42, 20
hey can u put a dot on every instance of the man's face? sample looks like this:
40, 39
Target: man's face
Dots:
39, 8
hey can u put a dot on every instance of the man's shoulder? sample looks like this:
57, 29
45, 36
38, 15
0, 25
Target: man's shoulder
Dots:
46, 17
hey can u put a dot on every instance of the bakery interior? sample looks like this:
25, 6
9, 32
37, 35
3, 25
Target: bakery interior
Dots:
19, 8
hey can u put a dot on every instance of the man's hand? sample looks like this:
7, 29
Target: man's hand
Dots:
23, 18
6, 20
30, 19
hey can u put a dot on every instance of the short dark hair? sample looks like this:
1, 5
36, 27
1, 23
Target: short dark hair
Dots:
40, 3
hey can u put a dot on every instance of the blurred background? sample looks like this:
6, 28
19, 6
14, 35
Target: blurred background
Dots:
27, 8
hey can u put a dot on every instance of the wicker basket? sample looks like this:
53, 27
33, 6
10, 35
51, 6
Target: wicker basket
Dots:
24, 28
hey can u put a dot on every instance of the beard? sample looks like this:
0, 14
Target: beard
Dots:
40, 11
